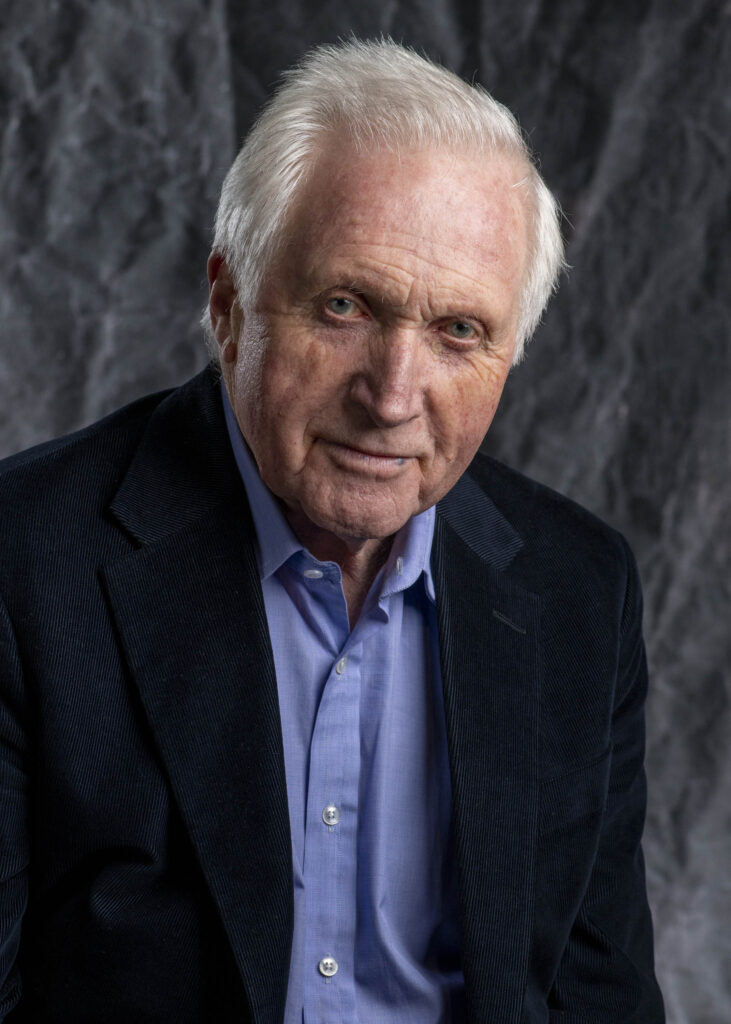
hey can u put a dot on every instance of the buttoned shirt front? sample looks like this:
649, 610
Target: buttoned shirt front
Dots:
375, 916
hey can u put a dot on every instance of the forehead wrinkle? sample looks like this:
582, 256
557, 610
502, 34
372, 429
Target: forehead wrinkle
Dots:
491, 207
374, 277
434, 261
416, 241
375, 273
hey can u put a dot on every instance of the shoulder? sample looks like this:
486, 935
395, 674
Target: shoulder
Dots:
54, 497
73, 460
563, 543
60, 501
528, 503
96, 457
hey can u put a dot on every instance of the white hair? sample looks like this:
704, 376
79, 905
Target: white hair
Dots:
382, 95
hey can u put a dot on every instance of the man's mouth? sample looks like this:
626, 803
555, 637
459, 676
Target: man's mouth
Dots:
367, 459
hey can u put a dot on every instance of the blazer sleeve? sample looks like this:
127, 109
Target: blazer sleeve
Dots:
13, 813
606, 973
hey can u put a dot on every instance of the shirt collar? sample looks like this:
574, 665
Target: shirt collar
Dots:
410, 554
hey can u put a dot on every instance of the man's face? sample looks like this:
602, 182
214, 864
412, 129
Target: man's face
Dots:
369, 370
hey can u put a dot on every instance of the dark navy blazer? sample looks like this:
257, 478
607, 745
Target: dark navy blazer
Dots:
145, 864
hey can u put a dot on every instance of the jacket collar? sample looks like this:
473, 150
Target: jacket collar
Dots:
190, 613
183, 467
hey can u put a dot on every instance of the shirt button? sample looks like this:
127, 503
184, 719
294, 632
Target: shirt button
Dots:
331, 815
328, 966
340, 667
313, 574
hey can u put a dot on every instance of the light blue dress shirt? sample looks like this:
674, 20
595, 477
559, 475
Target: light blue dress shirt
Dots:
375, 901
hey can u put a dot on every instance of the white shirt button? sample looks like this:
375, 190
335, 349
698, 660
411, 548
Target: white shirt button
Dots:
340, 667
331, 815
328, 966
400, 565
313, 574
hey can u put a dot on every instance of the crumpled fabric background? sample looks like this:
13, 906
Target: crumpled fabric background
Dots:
118, 119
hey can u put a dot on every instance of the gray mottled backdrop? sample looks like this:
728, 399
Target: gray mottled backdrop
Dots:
118, 119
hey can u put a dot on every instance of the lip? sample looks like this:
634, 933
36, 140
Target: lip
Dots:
367, 461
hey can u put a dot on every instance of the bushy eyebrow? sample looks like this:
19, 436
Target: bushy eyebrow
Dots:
354, 286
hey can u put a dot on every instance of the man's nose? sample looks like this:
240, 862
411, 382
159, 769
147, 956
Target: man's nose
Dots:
391, 384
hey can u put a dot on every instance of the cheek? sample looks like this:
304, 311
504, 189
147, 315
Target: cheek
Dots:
311, 373
300, 380
468, 411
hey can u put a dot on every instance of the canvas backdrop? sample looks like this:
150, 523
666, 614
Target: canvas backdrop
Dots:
118, 120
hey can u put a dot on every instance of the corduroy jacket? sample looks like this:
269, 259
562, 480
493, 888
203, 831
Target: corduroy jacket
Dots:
145, 861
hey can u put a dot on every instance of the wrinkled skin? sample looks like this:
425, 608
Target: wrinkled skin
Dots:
369, 370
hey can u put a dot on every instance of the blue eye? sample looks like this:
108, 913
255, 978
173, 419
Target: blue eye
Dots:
342, 306
460, 330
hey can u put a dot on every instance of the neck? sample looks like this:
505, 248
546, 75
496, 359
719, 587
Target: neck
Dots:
359, 560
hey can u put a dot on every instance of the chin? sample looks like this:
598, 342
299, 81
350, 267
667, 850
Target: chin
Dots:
362, 524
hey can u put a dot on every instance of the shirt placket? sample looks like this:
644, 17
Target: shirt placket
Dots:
331, 834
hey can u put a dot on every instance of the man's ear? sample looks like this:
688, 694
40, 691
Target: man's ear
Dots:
221, 299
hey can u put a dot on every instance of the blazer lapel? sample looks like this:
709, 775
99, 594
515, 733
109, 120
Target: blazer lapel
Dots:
191, 618
489, 644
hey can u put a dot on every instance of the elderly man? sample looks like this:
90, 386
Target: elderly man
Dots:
308, 712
